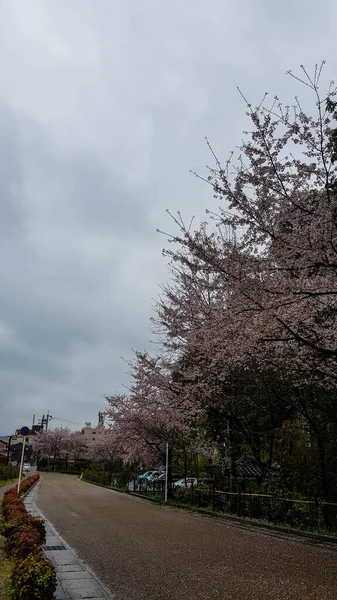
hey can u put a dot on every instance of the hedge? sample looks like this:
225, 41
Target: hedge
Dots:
8, 473
33, 576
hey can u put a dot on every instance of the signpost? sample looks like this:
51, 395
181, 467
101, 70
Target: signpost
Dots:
24, 432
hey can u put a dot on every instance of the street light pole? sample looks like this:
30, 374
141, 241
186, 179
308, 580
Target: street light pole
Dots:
9, 449
24, 431
166, 471
22, 459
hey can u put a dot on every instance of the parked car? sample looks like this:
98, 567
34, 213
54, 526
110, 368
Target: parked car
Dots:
145, 476
188, 482
26, 467
154, 476
175, 477
149, 476
208, 481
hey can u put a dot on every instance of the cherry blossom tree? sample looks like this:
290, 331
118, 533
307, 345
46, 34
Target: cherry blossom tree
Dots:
246, 329
265, 304
60, 444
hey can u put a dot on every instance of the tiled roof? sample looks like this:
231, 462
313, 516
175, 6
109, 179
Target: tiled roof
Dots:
247, 467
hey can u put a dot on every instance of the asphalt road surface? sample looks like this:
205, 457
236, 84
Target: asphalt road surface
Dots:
146, 552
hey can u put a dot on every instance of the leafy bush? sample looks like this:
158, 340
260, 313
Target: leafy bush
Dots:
8, 472
99, 477
26, 484
34, 578
15, 524
39, 527
22, 543
202, 497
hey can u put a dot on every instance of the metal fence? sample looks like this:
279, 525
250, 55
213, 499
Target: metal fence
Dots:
309, 515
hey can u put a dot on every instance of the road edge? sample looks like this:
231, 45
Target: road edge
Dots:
249, 523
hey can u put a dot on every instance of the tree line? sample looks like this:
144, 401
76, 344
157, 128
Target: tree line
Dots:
245, 327
245, 330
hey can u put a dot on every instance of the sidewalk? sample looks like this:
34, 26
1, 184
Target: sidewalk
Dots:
75, 580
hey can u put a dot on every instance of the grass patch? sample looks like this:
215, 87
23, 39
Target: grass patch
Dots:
6, 572
2, 483
6, 567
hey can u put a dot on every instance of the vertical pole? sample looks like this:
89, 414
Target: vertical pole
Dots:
21, 465
166, 472
9, 449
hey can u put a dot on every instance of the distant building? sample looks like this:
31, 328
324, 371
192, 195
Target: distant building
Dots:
3, 449
89, 432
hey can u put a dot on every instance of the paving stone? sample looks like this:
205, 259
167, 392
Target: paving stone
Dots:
52, 540
70, 569
64, 557
72, 575
60, 593
83, 589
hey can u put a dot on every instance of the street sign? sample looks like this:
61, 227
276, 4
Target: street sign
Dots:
24, 430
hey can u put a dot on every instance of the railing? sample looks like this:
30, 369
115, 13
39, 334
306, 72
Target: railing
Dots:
309, 515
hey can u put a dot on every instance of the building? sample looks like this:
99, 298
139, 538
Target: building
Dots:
11, 446
91, 433
3, 449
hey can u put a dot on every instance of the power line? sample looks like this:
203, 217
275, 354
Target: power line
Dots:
64, 420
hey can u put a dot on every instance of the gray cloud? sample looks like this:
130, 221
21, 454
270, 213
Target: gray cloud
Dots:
104, 110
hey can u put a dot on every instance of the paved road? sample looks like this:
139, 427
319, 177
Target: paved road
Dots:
142, 551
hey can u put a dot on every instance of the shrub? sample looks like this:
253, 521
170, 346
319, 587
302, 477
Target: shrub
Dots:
8, 472
15, 525
26, 484
99, 477
33, 575
34, 578
201, 497
22, 543
40, 529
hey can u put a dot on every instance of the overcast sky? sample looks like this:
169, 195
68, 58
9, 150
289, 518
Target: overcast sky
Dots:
104, 106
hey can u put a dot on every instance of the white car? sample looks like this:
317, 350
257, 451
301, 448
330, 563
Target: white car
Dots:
188, 482
154, 476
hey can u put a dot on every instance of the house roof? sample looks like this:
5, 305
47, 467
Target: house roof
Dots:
4, 439
247, 467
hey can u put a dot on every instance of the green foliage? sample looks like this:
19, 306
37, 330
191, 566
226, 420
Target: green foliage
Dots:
6, 568
201, 497
8, 473
22, 543
117, 480
34, 578
99, 477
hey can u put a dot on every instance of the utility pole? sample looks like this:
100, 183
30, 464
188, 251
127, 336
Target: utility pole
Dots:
47, 420
9, 449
